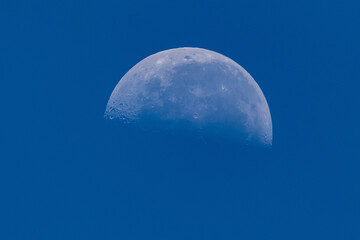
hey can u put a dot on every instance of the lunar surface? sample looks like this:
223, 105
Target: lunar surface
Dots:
193, 87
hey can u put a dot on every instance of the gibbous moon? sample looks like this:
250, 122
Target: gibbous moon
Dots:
193, 87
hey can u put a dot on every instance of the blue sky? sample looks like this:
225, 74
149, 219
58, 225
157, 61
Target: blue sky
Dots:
65, 173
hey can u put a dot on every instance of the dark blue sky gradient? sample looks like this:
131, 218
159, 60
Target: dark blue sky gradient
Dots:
66, 173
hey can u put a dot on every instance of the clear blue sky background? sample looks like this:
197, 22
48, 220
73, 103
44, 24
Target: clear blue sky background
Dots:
67, 174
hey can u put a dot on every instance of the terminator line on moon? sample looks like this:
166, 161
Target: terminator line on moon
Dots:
201, 88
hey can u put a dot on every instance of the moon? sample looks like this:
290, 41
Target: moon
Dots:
193, 87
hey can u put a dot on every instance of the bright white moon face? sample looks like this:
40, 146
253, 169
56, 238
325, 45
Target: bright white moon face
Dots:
202, 89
